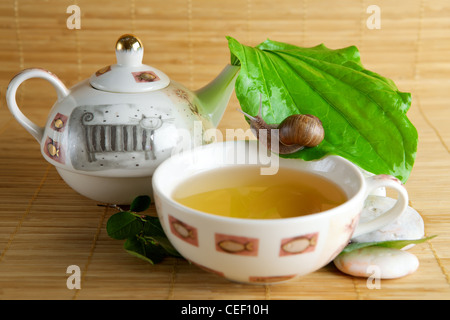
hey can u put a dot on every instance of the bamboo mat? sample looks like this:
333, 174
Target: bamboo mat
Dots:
45, 226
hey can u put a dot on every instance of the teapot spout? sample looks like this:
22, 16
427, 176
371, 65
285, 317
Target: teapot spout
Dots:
214, 97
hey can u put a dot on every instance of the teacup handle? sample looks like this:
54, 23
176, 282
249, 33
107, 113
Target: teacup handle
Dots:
400, 206
26, 74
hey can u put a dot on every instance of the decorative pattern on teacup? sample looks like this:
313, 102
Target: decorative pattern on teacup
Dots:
299, 244
59, 122
270, 279
183, 231
236, 244
53, 150
145, 76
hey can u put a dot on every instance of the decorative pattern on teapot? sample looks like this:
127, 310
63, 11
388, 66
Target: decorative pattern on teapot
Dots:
121, 135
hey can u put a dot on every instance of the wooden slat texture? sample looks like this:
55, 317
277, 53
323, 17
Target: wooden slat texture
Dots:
45, 226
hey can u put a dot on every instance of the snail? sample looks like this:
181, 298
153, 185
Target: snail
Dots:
293, 134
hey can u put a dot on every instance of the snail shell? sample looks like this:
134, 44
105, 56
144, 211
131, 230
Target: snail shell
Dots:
293, 134
302, 129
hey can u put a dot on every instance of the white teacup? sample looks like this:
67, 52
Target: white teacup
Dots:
320, 236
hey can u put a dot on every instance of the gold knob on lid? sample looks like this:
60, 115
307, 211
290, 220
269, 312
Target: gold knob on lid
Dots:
128, 42
129, 51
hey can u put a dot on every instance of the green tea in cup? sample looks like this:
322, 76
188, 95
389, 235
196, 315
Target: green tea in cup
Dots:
243, 192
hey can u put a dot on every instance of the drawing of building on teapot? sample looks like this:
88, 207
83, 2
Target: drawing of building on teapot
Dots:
120, 136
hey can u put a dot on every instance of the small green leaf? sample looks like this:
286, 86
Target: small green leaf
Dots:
396, 244
122, 225
144, 250
152, 227
167, 246
140, 203
154, 230
134, 247
145, 237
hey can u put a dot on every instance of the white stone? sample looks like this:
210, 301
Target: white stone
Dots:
377, 262
408, 226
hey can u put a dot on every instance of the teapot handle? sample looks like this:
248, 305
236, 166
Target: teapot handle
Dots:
36, 131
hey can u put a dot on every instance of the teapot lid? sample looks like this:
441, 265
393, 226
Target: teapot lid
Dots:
129, 75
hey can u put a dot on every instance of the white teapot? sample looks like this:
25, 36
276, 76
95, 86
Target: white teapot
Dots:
107, 134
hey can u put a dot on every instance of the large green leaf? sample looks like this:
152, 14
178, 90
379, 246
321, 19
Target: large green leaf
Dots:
363, 113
